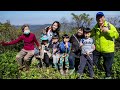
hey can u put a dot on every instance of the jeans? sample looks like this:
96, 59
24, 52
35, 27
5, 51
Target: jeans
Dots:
46, 60
73, 61
86, 60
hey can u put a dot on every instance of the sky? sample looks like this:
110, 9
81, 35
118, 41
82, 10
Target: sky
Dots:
45, 17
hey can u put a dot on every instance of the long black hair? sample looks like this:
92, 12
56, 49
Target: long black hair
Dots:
58, 29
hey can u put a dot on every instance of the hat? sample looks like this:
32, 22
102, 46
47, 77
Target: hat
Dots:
87, 30
55, 37
99, 14
44, 37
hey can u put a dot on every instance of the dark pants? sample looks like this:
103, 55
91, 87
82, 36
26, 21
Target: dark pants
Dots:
86, 60
107, 61
73, 61
46, 60
40, 62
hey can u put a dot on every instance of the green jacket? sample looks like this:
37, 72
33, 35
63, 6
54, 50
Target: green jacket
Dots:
104, 41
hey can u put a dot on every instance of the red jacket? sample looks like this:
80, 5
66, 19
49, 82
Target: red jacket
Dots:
28, 41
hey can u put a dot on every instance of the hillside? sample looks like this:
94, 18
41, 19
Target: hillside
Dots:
35, 28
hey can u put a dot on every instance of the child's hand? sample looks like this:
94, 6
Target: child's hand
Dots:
66, 44
39, 47
54, 50
81, 44
45, 51
63, 56
88, 53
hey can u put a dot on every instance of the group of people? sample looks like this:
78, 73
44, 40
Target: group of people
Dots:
72, 53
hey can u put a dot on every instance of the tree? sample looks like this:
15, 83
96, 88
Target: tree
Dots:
114, 20
82, 20
8, 33
65, 25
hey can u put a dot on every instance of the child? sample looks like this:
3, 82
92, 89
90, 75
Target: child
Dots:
86, 57
45, 52
54, 45
64, 53
37, 56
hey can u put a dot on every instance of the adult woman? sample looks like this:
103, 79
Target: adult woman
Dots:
52, 30
27, 51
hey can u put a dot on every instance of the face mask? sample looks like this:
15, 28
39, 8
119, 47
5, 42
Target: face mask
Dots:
26, 32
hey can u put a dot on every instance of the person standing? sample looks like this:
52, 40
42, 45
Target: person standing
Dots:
87, 48
104, 34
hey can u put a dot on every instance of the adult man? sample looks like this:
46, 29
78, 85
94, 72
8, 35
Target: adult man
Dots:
75, 50
105, 34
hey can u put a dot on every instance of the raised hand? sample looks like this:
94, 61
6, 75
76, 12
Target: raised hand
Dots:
88, 53
104, 29
66, 44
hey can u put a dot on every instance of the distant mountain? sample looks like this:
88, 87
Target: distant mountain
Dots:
35, 28
67, 27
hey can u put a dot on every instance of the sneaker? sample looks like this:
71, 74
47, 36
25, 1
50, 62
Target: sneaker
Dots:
61, 72
108, 77
91, 78
21, 68
71, 71
27, 69
47, 71
79, 76
66, 71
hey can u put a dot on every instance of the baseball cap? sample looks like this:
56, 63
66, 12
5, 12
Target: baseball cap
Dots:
55, 37
87, 30
99, 14
44, 37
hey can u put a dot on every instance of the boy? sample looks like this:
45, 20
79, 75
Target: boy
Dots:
45, 52
54, 45
64, 53
86, 57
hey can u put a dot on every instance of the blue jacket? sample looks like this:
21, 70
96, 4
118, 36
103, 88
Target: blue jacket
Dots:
63, 49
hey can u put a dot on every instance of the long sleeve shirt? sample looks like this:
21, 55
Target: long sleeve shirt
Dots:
63, 49
54, 46
28, 41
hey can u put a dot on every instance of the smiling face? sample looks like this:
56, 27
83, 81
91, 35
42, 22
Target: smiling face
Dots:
66, 39
100, 19
45, 42
55, 26
80, 32
55, 40
87, 34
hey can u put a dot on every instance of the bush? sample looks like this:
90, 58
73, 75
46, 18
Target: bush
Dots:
9, 69
8, 65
